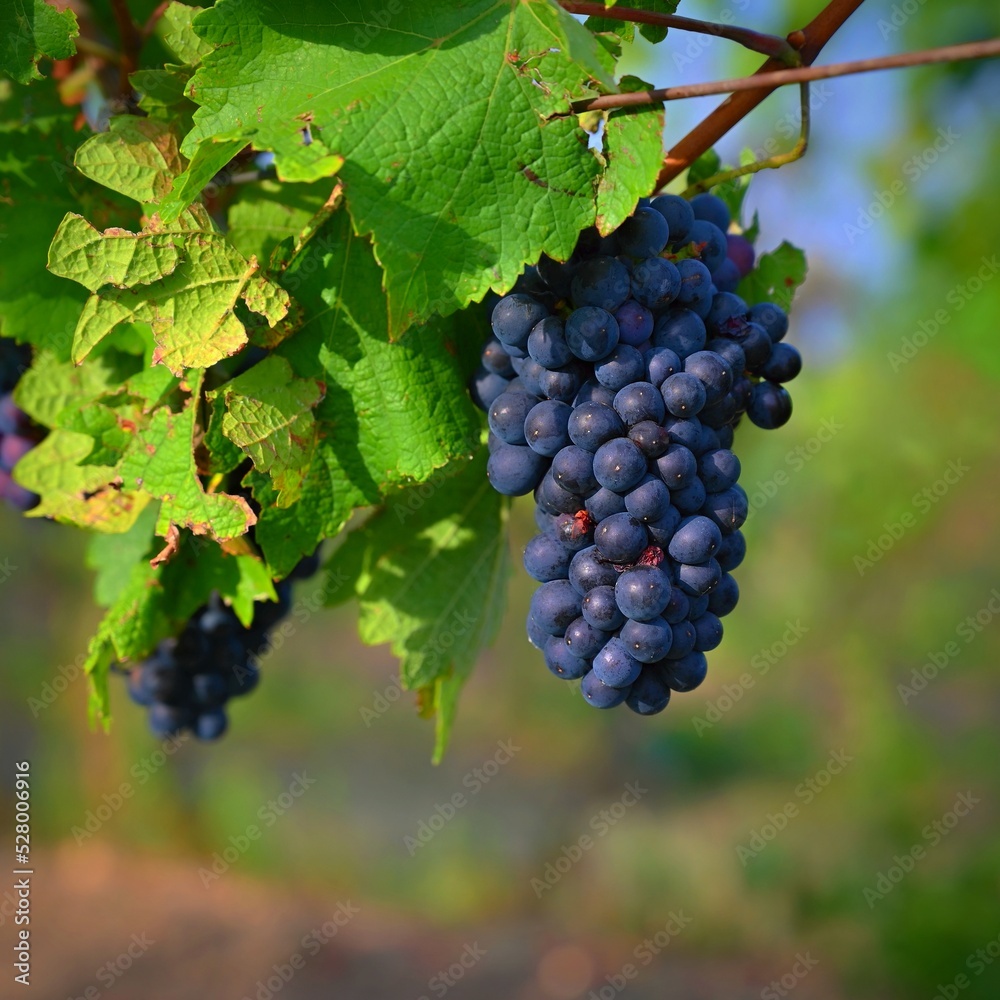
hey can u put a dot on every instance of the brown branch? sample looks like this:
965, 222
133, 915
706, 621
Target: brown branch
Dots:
131, 44
809, 41
802, 74
769, 45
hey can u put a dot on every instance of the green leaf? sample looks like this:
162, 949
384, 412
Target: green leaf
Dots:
177, 34
113, 556
269, 416
161, 463
633, 143
184, 282
651, 32
625, 30
775, 277
429, 574
30, 30
208, 160
444, 116
393, 413
138, 157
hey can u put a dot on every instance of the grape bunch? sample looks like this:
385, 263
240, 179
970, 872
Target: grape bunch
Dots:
18, 435
613, 384
187, 681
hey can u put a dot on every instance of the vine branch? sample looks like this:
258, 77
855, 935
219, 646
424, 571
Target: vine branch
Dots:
131, 41
769, 45
801, 74
809, 41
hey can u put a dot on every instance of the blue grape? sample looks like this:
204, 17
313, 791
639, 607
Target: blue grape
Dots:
726, 436
711, 208
710, 242
554, 499
600, 695
635, 323
593, 392
601, 610
619, 465
642, 593
691, 498
699, 605
685, 637
655, 282
732, 551
681, 331
678, 214
585, 641
587, 570
496, 359
639, 401
683, 395
621, 367
678, 607
614, 666
604, 503
529, 371
643, 234
573, 469
699, 579
558, 276
741, 252
649, 695
652, 439
728, 313
718, 469
601, 282
772, 318
661, 363
545, 427
620, 539
783, 363
728, 509
167, 720
209, 689
708, 632
726, 277
731, 352
515, 470
562, 662
546, 558
755, 344
647, 641
485, 386
592, 424
713, 371
686, 673
547, 343
514, 316
591, 333
696, 281
211, 725
696, 540
662, 529
554, 605
575, 531
537, 636
723, 599
649, 500
560, 383
677, 466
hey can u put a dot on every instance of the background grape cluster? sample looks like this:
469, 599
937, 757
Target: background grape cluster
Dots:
18, 435
187, 681
613, 385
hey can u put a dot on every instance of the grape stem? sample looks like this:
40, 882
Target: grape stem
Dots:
769, 45
779, 78
131, 41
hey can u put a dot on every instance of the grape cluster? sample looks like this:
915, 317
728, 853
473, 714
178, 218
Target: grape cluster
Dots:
613, 385
188, 679
18, 435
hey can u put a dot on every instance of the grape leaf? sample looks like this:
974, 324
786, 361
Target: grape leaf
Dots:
29, 30
161, 463
460, 157
209, 158
138, 157
184, 282
113, 556
429, 574
775, 277
633, 143
175, 31
264, 214
269, 415
651, 32
393, 412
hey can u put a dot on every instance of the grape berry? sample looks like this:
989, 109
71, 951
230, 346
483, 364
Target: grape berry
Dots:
18, 435
613, 385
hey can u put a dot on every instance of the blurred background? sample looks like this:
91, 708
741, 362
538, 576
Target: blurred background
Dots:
819, 819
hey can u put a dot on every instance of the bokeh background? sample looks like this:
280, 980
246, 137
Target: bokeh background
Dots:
807, 823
